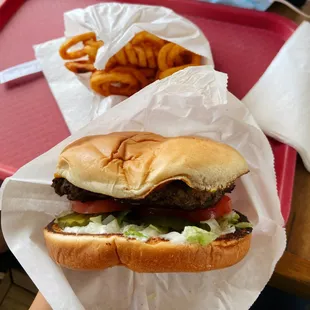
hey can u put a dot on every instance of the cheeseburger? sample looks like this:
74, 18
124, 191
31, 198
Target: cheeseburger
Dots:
149, 203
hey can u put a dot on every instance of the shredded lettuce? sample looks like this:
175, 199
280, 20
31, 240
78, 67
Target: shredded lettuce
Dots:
228, 222
173, 229
121, 216
214, 226
222, 227
194, 234
232, 217
108, 219
135, 231
227, 228
153, 231
96, 219
133, 227
244, 225
113, 227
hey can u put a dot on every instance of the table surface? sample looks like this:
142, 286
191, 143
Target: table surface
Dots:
292, 273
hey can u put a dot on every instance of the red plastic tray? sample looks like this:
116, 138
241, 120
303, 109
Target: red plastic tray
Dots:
243, 43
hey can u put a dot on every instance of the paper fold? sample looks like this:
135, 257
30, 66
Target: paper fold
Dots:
116, 24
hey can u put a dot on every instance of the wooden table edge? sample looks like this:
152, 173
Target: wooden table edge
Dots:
292, 275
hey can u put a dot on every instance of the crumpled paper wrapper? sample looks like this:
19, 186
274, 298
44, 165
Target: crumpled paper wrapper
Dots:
115, 24
191, 102
280, 100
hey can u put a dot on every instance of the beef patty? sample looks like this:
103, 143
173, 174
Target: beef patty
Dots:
175, 194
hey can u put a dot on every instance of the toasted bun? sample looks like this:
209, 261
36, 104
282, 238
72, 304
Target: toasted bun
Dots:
95, 252
132, 164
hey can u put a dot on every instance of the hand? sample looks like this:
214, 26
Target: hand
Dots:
40, 303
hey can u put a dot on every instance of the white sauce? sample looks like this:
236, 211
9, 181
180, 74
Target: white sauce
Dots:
94, 228
91, 228
174, 237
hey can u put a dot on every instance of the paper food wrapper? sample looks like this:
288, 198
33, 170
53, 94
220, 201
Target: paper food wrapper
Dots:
190, 102
279, 101
115, 24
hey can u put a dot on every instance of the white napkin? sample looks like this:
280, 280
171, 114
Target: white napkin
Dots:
115, 24
191, 102
280, 100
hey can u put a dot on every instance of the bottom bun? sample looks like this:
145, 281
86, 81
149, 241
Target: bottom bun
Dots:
97, 252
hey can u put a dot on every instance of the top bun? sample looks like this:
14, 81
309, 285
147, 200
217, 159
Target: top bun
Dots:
132, 164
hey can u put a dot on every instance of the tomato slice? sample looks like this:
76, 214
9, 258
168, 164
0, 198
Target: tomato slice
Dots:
110, 205
221, 208
98, 206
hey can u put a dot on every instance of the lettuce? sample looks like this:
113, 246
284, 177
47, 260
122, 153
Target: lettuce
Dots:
113, 227
214, 226
121, 216
232, 217
174, 229
244, 225
153, 231
194, 234
108, 219
135, 231
96, 219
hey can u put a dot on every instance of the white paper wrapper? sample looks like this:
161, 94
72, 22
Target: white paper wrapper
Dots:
191, 102
77, 103
115, 24
279, 101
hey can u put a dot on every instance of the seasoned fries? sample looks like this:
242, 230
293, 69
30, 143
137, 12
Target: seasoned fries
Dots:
140, 62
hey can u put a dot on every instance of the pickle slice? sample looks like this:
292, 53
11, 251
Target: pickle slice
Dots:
73, 219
